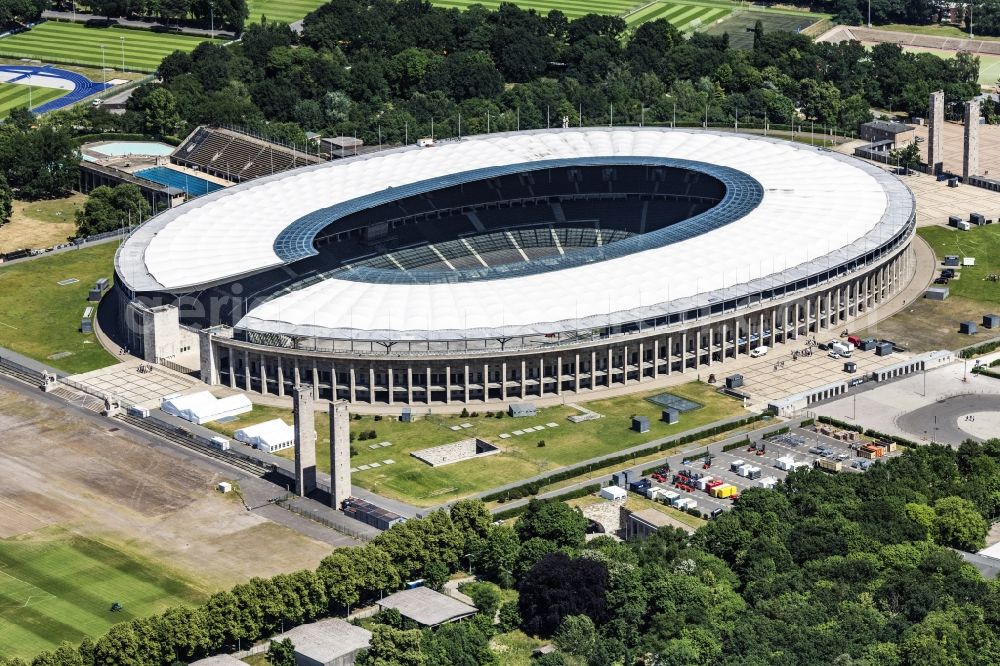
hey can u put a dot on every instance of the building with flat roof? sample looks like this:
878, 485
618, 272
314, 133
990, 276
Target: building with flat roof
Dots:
640, 524
329, 642
427, 607
219, 660
886, 130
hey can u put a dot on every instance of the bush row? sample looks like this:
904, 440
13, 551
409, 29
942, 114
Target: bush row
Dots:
736, 445
532, 487
981, 370
843, 425
572, 494
978, 350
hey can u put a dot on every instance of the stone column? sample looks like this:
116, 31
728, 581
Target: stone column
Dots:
263, 375
447, 387
389, 383
281, 379
576, 374
371, 384
935, 121
970, 154
352, 381
340, 453
305, 439
524, 379
409, 384
503, 380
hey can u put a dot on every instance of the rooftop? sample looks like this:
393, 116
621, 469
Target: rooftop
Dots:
327, 640
427, 607
889, 126
219, 660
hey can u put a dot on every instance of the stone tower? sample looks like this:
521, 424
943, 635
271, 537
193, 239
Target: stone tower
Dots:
305, 439
340, 453
970, 149
935, 120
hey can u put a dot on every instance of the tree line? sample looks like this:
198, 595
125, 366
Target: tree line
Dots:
386, 70
849, 569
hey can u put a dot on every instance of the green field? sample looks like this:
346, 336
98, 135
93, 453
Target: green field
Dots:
40, 318
983, 243
14, 95
989, 65
56, 586
413, 481
685, 16
284, 11
738, 25
935, 30
74, 43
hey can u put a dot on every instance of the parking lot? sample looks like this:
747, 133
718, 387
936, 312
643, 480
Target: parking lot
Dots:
776, 447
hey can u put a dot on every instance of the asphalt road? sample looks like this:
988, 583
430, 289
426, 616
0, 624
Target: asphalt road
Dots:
939, 422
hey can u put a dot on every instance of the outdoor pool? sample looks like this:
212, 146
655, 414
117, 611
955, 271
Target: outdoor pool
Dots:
123, 148
194, 186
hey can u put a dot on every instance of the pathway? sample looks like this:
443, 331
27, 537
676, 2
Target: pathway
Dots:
147, 24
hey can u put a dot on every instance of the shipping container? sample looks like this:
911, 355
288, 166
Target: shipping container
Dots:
828, 465
219, 443
744, 470
669, 496
735, 465
767, 482
785, 463
723, 491
703, 482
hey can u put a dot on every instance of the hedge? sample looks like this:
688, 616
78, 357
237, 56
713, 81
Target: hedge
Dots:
843, 425
572, 494
736, 445
984, 348
532, 487
981, 370
807, 423
902, 441
112, 136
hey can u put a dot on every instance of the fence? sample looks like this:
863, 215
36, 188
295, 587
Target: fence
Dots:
286, 503
15, 368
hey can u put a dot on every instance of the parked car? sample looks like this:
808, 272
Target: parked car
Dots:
757, 352
948, 273
833, 354
941, 280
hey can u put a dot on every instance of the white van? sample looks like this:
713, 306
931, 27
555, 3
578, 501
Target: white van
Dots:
757, 352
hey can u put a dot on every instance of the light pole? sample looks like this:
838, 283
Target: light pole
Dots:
869, 13
104, 73
211, 13
123, 52
970, 20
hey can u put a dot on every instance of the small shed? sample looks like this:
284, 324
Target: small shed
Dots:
406, 416
734, 381
867, 344
640, 424
977, 219
224, 487
329, 642
851, 367
427, 607
968, 261
522, 409
936, 293
613, 493
952, 259
953, 220
203, 407
671, 416
967, 328
270, 436
219, 660
991, 321
883, 348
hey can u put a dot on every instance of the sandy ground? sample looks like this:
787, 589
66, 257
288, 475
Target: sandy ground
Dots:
26, 231
98, 482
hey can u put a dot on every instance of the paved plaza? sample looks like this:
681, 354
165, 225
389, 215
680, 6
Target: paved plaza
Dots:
952, 144
142, 388
925, 406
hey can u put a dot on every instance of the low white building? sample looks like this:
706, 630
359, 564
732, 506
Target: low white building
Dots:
613, 493
203, 407
270, 436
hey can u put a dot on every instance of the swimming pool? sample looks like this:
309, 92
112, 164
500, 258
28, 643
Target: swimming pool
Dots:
123, 148
194, 186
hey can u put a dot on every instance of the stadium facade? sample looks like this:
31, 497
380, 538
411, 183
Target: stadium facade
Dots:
526, 265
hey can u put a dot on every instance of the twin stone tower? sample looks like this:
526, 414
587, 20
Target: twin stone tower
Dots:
303, 401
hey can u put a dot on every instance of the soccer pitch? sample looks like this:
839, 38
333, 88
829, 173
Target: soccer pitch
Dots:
14, 95
283, 11
76, 44
59, 586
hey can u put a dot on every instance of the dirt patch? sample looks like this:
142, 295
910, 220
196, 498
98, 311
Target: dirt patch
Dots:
40, 224
58, 469
928, 325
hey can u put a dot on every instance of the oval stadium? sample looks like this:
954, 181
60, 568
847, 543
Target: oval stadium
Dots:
522, 266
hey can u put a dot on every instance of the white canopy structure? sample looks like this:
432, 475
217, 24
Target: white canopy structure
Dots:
270, 436
817, 209
203, 407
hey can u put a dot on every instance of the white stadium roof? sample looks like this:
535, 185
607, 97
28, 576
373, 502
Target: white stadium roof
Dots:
817, 206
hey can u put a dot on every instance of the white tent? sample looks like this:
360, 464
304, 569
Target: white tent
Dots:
613, 493
204, 407
270, 436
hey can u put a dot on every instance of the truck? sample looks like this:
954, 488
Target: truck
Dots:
702, 483
841, 348
828, 465
767, 482
753, 473
735, 465
219, 443
669, 496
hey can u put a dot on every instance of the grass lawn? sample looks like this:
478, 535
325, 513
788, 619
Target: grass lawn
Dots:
75, 43
684, 16
56, 586
40, 224
39, 318
983, 243
989, 65
15, 95
737, 25
413, 481
514, 648
284, 11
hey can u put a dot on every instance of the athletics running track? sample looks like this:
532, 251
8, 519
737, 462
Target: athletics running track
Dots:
82, 86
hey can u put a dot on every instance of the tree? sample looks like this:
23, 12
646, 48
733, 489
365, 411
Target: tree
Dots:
563, 525
110, 208
281, 653
159, 112
42, 163
959, 525
576, 635
559, 586
459, 644
393, 647
907, 157
6, 200
486, 597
